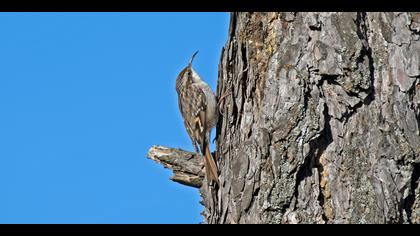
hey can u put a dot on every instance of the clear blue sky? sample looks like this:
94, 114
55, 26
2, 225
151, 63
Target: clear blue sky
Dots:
83, 96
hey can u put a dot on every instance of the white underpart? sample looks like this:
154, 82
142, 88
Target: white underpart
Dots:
212, 112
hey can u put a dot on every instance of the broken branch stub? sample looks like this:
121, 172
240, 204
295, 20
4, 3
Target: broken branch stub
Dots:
187, 166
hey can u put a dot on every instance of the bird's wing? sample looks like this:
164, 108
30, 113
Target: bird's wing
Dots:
201, 130
192, 104
198, 105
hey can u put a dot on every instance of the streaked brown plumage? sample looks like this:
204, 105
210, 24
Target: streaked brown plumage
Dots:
198, 107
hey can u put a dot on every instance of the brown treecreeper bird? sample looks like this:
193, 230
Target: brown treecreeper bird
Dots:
198, 107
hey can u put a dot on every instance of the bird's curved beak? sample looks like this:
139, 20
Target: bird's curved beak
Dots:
192, 58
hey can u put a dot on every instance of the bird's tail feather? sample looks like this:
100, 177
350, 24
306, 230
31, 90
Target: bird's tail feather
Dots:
210, 165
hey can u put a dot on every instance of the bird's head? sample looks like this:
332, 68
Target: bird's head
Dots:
188, 74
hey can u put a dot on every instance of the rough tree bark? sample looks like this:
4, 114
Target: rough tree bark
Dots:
321, 119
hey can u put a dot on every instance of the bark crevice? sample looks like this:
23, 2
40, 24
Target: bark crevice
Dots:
408, 202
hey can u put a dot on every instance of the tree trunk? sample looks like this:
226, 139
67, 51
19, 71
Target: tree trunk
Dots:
320, 119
